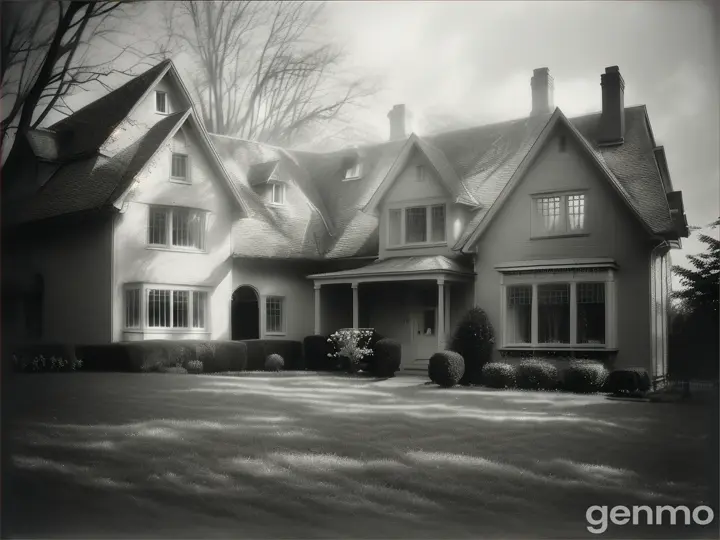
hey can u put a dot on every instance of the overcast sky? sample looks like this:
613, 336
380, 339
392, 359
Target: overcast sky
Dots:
471, 63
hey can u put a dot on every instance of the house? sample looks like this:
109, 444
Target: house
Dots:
128, 221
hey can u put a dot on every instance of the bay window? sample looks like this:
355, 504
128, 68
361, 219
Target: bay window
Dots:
171, 308
416, 225
558, 310
176, 228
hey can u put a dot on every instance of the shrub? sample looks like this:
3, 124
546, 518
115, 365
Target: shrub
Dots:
195, 366
386, 357
274, 362
39, 363
316, 349
473, 339
585, 376
536, 374
351, 346
498, 375
221, 356
446, 368
628, 380
259, 349
178, 370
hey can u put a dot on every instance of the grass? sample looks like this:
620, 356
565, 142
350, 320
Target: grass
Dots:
91, 455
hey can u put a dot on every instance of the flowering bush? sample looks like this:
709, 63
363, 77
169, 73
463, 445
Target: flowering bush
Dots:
40, 363
352, 344
194, 366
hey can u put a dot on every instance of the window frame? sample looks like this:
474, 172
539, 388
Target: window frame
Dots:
169, 220
144, 326
572, 278
180, 179
283, 315
282, 188
428, 242
165, 102
537, 227
353, 172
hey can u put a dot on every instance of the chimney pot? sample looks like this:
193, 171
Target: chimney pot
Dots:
612, 119
542, 91
399, 122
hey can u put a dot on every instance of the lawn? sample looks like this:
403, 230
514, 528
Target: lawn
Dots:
91, 455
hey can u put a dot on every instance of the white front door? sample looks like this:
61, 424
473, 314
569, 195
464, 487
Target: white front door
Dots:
423, 329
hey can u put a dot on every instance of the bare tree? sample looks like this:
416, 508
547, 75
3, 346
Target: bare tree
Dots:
47, 54
262, 74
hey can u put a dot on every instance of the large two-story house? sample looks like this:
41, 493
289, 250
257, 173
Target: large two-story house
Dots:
128, 221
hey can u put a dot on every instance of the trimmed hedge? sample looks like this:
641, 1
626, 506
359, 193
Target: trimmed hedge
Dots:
316, 349
386, 358
535, 374
220, 356
629, 380
259, 349
585, 377
498, 375
446, 368
274, 362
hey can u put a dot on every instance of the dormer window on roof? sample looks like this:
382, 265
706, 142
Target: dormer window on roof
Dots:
354, 171
277, 193
161, 102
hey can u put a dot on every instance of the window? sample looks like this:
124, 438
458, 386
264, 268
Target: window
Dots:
277, 193
416, 225
559, 214
161, 102
274, 316
150, 307
563, 313
178, 169
428, 328
353, 172
176, 227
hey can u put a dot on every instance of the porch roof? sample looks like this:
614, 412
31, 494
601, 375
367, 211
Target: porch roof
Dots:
400, 269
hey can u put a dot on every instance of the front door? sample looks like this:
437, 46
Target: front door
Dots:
423, 328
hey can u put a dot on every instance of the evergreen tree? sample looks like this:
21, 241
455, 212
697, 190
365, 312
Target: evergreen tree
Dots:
701, 292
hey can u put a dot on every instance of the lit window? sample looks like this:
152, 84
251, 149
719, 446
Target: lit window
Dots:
274, 316
277, 193
353, 172
558, 214
161, 102
179, 166
176, 227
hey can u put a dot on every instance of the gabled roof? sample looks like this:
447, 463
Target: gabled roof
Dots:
88, 128
262, 173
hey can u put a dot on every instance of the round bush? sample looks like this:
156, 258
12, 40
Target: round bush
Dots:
498, 375
473, 339
631, 380
274, 362
386, 358
585, 377
446, 368
194, 366
537, 375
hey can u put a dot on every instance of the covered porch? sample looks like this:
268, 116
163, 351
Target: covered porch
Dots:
415, 300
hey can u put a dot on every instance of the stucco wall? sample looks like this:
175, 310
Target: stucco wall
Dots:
136, 262
613, 232
74, 262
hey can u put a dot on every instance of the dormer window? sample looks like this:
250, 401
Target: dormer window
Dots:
354, 171
161, 102
277, 193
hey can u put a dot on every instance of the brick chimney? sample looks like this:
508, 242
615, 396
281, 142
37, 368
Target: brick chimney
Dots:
612, 120
542, 92
399, 122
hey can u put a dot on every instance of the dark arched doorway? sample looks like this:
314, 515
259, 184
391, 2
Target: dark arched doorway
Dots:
245, 314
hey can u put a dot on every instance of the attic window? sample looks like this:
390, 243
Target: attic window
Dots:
277, 193
354, 171
161, 102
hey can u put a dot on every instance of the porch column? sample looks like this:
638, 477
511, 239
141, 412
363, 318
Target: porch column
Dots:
441, 315
317, 309
356, 311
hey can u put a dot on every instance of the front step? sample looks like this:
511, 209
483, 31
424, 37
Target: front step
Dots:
418, 366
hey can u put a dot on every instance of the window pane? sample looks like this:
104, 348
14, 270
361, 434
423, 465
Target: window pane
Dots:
132, 308
548, 210
188, 228
274, 314
181, 307
199, 306
394, 224
158, 308
438, 223
576, 212
416, 224
160, 100
554, 313
519, 313
591, 313
429, 322
179, 166
157, 226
